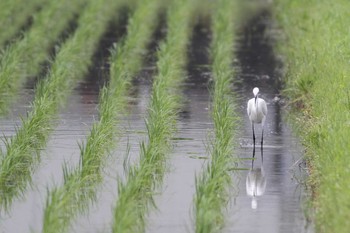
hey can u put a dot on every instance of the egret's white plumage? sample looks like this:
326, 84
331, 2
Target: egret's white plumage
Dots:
257, 111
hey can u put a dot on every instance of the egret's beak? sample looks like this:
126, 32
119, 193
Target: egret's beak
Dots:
256, 98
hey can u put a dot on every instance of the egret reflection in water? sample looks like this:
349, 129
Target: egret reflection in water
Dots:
256, 181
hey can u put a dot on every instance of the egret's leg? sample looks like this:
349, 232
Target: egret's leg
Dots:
262, 154
253, 134
253, 158
262, 137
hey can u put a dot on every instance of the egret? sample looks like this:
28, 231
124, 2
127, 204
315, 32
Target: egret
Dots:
257, 112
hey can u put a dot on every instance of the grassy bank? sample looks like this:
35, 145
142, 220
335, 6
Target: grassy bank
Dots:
135, 195
81, 184
316, 49
212, 186
24, 58
71, 64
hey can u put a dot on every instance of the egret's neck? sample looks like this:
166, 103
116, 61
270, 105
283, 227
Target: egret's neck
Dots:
256, 102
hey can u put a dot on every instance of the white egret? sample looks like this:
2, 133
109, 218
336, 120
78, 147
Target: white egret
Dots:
257, 111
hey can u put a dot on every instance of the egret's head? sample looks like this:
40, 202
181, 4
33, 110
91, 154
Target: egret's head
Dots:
255, 91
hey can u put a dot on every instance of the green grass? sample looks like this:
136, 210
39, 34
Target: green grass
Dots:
136, 194
212, 186
71, 64
81, 184
317, 53
23, 58
14, 15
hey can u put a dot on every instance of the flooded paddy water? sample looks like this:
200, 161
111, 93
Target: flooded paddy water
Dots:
270, 196
278, 206
71, 128
278, 202
175, 203
132, 131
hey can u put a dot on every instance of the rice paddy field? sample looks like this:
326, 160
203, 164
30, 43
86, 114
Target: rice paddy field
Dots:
130, 116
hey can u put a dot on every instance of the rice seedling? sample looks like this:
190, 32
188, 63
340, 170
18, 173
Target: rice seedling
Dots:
135, 195
13, 16
316, 53
212, 186
71, 63
24, 58
81, 184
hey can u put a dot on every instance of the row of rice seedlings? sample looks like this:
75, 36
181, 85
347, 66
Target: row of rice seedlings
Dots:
25, 57
14, 15
213, 185
135, 195
71, 64
317, 54
80, 184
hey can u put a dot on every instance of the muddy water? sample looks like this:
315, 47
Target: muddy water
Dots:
269, 199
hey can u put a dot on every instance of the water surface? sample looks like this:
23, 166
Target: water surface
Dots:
270, 198
174, 211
